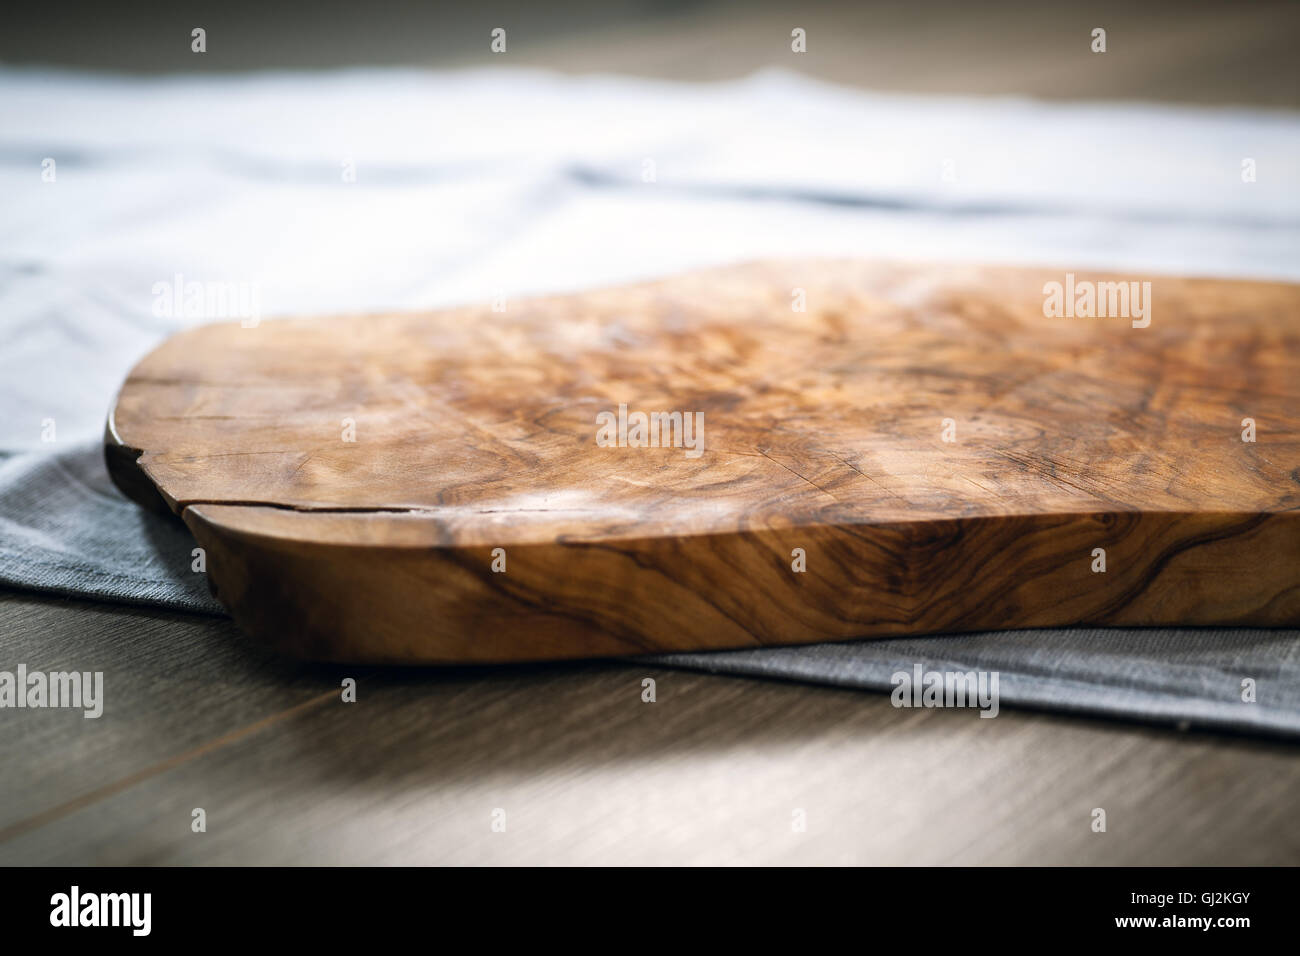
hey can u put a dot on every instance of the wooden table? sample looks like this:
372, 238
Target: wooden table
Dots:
1209, 53
713, 771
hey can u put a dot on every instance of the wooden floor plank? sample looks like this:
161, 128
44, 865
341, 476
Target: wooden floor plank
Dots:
711, 772
172, 684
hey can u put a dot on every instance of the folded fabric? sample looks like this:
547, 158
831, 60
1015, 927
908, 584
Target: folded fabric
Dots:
380, 189
65, 528
375, 189
1245, 680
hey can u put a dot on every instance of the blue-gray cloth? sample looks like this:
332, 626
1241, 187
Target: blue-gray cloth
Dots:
64, 528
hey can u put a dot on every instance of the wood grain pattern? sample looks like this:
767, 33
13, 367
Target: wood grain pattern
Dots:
476, 430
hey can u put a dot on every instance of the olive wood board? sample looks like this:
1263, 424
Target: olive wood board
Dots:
886, 449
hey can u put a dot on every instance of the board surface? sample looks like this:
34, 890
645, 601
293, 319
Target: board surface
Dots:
919, 449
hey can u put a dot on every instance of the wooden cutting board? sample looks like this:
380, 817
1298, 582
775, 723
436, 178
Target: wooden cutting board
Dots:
886, 449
